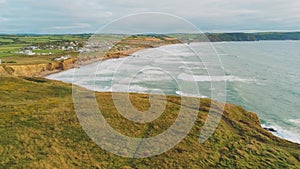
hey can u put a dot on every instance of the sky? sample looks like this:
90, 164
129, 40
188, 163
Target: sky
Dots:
88, 16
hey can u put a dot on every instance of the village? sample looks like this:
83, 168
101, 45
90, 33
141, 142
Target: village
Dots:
45, 49
62, 49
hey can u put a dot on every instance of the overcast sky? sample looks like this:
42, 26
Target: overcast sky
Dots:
87, 16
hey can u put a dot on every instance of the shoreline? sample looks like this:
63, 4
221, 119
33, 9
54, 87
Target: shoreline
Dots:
45, 69
275, 131
73, 63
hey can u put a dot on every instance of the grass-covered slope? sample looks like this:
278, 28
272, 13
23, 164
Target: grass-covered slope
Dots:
39, 129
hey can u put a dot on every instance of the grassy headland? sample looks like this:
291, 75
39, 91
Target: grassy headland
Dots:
39, 129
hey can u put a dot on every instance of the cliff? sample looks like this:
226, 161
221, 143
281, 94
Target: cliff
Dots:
239, 36
39, 129
36, 69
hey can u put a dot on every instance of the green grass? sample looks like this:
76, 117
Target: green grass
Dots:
39, 129
4, 40
33, 39
11, 47
53, 51
9, 44
9, 50
46, 39
36, 59
8, 55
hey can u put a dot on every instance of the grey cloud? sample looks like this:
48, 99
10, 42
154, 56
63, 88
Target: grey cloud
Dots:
218, 15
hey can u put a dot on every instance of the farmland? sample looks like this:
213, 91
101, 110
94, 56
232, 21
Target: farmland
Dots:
13, 47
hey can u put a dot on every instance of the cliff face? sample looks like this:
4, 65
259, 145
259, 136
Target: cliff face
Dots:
36, 69
39, 129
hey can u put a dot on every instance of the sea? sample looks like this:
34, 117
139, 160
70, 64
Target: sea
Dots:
261, 76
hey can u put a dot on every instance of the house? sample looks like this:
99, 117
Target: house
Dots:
33, 48
26, 52
70, 48
84, 50
29, 52
62, 58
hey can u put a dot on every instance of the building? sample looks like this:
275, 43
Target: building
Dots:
33, 48
29, 52
62, 58
70, 48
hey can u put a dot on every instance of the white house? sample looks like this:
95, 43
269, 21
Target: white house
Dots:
33, 47
62, 58
29, 52
70, 48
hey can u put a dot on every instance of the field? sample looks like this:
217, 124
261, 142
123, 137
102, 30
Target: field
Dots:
9, 50
10, 44
32, 39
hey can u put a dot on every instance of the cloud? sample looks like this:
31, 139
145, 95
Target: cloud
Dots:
74, 26
222, 15
65, 15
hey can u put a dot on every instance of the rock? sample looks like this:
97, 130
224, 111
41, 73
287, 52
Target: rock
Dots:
270, 129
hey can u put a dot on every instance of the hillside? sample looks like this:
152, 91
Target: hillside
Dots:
239, 36
39, 129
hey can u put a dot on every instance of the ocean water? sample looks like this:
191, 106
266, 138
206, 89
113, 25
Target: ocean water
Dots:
263, 77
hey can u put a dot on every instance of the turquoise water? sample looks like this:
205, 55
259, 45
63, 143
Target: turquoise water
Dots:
263, 77
275, 95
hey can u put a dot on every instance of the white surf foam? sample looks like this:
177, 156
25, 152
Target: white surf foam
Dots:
189, 95
295, 121
288, 134
192, 78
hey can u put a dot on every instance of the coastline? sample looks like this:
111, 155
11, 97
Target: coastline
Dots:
150, 43
272, 129
44, 69
52, 127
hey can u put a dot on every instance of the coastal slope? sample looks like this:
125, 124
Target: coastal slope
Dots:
39, 129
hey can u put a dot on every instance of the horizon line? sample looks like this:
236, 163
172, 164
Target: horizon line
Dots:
212, 32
